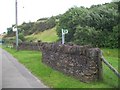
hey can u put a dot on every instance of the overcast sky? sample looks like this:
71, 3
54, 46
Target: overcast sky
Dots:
32, 10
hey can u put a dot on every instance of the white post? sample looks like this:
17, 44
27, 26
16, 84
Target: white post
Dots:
63, 37
64, 31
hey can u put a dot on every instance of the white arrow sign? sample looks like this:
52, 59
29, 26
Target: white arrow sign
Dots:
14, 29
64, 31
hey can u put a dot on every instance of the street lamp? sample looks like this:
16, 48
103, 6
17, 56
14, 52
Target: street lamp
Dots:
16, 24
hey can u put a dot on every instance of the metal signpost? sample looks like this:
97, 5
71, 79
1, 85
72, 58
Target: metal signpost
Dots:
64, 31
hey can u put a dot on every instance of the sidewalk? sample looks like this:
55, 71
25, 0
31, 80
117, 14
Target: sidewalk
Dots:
15, 75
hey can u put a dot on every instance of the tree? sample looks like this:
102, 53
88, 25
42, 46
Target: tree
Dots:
88, 35
70, 20
10, 32
115, 0
98, 19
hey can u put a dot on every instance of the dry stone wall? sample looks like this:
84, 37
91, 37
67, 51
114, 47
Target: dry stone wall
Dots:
81, 62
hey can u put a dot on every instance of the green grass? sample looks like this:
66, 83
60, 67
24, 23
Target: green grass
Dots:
46, 36
112, 56
55, 79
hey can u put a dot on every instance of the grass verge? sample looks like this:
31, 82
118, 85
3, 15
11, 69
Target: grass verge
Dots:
55, 79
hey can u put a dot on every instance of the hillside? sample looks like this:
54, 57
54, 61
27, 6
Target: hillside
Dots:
49, 35
96, 26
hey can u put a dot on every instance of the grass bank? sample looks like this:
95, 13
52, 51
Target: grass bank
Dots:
55, 79
46, 36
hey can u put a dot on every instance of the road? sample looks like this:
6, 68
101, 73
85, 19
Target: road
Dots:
0, 69
15, 75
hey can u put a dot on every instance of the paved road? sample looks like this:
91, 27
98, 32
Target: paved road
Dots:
15, 75
0, 69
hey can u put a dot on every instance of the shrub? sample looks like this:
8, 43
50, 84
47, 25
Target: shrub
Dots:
88, 35
21, 37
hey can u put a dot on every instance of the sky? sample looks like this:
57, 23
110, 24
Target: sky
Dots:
32, 10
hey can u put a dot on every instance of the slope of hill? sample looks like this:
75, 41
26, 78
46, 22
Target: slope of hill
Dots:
49, 35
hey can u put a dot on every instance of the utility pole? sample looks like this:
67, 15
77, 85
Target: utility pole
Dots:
16, 19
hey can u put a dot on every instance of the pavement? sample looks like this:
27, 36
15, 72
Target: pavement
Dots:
15, 75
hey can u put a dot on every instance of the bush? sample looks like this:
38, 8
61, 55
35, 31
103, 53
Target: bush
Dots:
113, 38
88, 35
21, 37
98, 38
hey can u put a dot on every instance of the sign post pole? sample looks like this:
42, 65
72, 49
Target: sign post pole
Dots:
63, 37
64, 31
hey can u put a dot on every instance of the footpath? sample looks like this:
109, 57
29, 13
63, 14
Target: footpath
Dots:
15, 75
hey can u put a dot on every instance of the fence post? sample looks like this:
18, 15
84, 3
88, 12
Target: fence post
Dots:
100, 68
110, 66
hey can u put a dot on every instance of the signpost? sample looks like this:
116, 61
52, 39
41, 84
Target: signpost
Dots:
14, 29
64, 31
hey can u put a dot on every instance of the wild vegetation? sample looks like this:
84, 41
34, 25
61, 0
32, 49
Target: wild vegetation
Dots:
33, 27
97, 25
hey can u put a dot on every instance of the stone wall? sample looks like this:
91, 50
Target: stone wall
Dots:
81, 62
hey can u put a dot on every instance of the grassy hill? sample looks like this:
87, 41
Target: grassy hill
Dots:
49, 35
